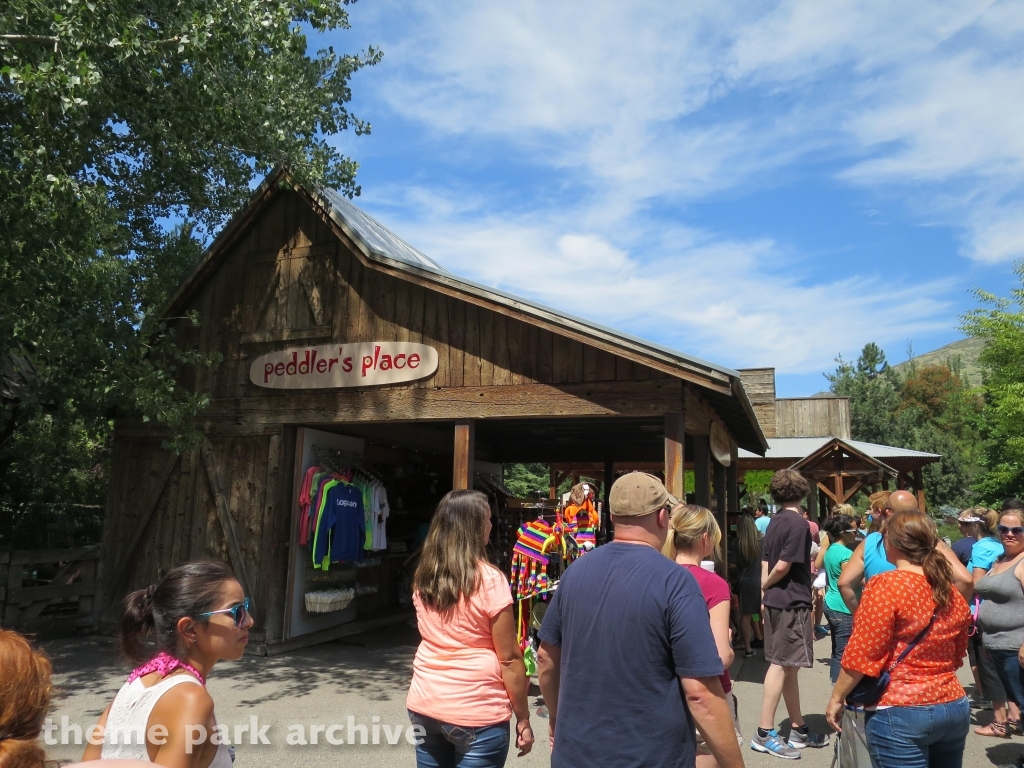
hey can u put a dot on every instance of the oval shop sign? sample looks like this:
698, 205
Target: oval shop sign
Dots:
344, 365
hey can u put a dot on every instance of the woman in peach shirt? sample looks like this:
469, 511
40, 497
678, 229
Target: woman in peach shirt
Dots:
468, 675
923, 717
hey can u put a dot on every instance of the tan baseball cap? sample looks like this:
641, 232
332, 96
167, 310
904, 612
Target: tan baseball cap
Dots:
637, 494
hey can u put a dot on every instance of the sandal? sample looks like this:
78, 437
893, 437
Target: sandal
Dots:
995, 729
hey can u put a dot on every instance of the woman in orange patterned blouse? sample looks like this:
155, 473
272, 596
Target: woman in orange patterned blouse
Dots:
922, 719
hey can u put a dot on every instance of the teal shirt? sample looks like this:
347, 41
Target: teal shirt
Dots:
874, 556
761, 523
984, 554
835, 556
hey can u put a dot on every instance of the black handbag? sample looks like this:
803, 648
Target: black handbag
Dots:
870, 690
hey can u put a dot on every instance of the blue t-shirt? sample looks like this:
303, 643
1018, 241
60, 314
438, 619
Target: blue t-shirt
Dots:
986, 551
630, 623
341, 528
874, 556
761, 523
962, 549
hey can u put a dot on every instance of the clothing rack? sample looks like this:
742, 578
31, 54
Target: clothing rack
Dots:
337, 460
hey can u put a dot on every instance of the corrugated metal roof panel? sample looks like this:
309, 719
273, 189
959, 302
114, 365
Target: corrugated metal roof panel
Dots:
798, 447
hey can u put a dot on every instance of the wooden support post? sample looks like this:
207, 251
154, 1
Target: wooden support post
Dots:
919, 487
675, 437
812, 500
701, 470
722, 512
732, 487
606, 511
220, 500
837, 458
465, 446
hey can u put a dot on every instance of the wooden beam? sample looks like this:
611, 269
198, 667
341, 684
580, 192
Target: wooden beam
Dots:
293, 532
675, 437
847, 495
140, 529
462, 467
919, 487
224, 515
837, 478
552, 482
732, 487
609, 479
825, 489
653, 397
722, 513
701, 470
812, 501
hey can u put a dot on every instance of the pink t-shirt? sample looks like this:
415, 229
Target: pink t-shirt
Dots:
455, 676
715, 590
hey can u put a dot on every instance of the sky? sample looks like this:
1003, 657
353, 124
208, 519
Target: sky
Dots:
756, 184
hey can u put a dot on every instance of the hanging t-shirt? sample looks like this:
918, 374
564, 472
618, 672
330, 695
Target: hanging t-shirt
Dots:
629, 623
381, 510
340, 529
456, 677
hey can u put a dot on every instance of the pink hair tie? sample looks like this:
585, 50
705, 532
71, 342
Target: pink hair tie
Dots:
165, 664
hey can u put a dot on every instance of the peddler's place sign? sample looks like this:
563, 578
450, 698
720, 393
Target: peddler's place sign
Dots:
344, 365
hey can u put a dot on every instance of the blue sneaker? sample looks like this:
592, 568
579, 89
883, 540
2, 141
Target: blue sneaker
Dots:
773, 745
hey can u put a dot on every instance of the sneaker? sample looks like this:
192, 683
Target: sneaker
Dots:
820, 632
799, 740
748, 654
773, 745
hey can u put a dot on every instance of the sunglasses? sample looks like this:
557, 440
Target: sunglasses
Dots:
1004, 530
238, 612
850, 530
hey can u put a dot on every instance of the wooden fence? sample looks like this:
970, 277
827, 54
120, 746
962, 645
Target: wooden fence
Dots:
50, 592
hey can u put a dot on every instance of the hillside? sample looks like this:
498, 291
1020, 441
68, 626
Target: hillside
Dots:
968, 350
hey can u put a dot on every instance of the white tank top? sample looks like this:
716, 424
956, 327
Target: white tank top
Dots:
125, 736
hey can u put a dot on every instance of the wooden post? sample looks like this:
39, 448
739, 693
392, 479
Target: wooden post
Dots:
812, 500
722, 513
606, 510
552, 482
462, 470
675, 436
919, 487
732, 487
837, 459
701, 470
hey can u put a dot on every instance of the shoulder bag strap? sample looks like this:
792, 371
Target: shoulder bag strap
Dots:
913, 643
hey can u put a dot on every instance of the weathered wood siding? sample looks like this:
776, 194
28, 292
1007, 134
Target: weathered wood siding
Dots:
291, 281
760, 386
813, 417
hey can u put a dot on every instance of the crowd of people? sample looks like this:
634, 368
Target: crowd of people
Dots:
636, 642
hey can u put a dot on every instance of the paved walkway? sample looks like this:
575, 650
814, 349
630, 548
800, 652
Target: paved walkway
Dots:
367, 676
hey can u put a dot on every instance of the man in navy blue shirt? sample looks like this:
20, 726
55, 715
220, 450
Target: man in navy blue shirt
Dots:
627, 661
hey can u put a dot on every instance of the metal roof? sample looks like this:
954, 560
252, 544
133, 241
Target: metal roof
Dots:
798, 447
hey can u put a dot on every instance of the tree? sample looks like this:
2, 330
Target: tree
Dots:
1001, 325
118, 119
873, 388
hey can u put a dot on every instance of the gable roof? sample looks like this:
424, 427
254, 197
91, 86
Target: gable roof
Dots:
798, 447
382, 248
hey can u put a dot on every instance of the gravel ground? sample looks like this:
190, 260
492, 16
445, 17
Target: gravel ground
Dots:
366, 676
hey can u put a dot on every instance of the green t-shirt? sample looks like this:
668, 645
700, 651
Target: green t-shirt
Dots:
836, 555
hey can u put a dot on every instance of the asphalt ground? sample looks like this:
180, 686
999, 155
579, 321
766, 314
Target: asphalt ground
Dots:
366, 677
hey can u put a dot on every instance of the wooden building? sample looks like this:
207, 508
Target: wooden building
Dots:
812, 435
304, 297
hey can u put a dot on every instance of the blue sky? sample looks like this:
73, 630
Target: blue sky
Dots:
758, 184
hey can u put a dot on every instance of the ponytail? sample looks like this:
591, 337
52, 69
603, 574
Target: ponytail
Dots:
914, 534
149, 620
940, 576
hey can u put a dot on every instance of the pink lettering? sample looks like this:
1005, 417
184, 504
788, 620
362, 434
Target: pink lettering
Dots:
279, 369
367, 364
385, 362
292, 367
321, 365
346, 365
334, 362
402, 358
267, 370
414, 360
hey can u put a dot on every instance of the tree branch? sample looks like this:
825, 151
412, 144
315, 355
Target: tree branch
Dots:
48, 39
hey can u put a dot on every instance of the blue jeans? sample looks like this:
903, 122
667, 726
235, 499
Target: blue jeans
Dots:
1011, 673
840, 627
919, 737
459, 746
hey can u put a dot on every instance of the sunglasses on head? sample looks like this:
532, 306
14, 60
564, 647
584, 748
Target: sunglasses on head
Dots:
1016, 530
238, 612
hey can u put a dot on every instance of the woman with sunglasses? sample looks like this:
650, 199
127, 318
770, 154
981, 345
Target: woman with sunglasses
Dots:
194, 616
1001, 615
